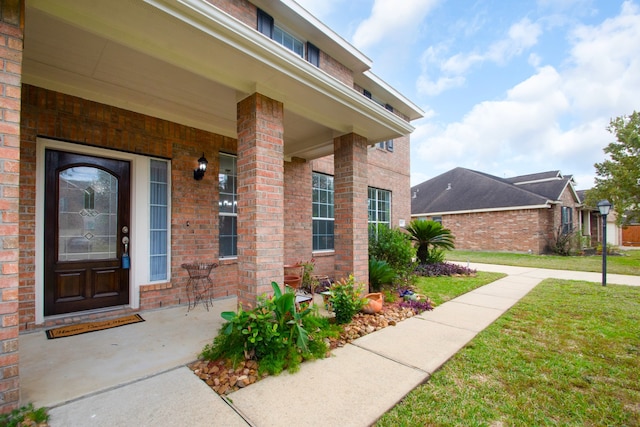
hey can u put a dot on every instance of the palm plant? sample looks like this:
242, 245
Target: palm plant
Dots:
428, 235
380, 273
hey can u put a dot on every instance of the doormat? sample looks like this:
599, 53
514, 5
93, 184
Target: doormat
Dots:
83, 328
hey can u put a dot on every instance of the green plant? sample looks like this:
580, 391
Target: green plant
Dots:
272, 333
563, 242
26, 415
309, 283
393, 246
380, 273
345, 297
428, 235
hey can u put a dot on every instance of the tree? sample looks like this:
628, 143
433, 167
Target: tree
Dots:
428, 235
618, 177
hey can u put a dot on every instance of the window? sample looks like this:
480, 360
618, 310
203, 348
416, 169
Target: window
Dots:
567, 220
228, 206
379, 207
158, 221
437, 219
289, 41
323, 217
267, 27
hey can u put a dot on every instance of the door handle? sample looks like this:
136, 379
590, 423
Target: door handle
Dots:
125, 242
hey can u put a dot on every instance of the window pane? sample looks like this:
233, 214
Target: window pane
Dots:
158, 221
228, 205
379, 207
323, 212
87, 214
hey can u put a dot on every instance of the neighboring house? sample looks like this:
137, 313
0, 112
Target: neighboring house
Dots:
484, 212
592, 231
107, 108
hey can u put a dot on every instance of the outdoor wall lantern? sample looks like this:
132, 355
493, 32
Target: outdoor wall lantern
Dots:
604, 206
198, 174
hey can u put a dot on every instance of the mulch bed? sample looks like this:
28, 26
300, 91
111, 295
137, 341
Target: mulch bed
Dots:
224, 379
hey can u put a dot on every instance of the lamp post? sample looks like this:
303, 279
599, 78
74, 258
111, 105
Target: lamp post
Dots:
604, 206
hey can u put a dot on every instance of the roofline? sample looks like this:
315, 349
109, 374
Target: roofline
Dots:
358, 56
215, 22
513, 208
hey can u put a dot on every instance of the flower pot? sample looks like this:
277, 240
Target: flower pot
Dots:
374, 303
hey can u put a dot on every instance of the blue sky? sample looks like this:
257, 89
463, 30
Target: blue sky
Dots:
508, 87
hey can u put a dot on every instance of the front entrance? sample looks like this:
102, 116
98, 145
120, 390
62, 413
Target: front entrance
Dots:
86, 232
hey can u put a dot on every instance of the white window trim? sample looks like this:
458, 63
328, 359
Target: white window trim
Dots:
140, 234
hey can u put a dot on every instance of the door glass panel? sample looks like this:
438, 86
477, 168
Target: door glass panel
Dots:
87, 214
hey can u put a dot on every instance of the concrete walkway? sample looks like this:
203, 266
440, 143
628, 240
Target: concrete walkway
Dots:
354, 387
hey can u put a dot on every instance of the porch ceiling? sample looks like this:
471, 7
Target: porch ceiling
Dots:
189, 63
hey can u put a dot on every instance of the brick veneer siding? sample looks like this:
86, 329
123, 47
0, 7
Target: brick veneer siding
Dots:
298, 230
58, 116
336, 69
11, 38
242, 10
260, 196
514, 231
390, 171
350, 199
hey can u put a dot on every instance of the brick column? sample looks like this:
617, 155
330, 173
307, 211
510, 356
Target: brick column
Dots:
11, 36
350, 199
260, 196
298, 215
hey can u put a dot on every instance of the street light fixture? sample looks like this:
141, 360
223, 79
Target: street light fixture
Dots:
604, 206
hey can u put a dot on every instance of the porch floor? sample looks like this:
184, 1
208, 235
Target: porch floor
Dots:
56, 371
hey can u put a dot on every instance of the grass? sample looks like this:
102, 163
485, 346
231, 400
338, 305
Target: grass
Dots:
444, 288
627, 263
567, 354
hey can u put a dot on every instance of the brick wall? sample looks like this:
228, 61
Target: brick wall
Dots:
350, 199
11, 37
58, 116
260, 196
516, 231
298, 231
242, 10
390, 171
336, 69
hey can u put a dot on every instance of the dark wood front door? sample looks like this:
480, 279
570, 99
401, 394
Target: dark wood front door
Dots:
86, 219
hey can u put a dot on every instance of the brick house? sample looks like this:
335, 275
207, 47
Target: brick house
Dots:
107, 107
484, 212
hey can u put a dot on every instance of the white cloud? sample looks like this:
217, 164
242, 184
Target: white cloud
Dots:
452, 70
555, 119
392, 20
604, 72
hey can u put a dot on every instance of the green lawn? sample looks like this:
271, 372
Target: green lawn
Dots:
442, 289
626, 263
567, 354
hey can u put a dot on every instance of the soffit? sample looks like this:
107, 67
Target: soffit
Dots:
190, 63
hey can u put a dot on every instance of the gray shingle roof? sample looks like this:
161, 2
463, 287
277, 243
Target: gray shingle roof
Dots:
535, 177
463, 189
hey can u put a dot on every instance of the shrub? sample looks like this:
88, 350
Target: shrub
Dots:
442, 269
435, 256
272, 333
26, 415
429, 236
380, 273
418, 306
345, 298
563, 242
393, 246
